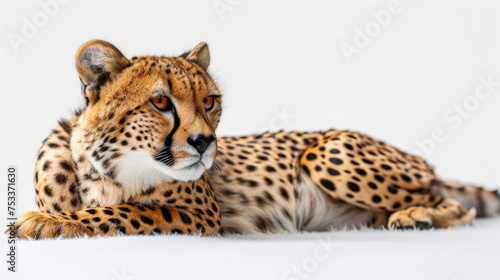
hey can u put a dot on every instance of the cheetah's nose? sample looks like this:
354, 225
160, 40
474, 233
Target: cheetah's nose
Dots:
200, 142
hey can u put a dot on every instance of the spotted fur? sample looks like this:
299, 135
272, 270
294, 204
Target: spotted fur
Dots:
121, 165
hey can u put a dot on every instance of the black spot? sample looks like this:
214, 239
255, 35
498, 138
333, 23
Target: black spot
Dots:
41, 155
396, 205
200, 227
104, 227
269, 182
46, 166
56, 207
348, 146
53, 145
124, 209
74, 216
405, 178
185, 218
168, 193
284, 193
376, 199
334, 151
108, 212
379, 178
85, 221
327, 184
91, 211
367, 161
251, 168
47, 190
66, 166
333, 172
146, 220
135, 223
408, 198
336, 161
72, 188
360, 171
270, 169
386, 167
311, 156
372, 185
210, 223
353, 186
121, 229
392, 189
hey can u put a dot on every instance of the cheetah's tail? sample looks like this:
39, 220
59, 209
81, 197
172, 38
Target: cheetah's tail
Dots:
486, 202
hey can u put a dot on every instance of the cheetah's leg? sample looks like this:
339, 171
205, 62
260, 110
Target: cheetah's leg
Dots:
110, 220
447, 213
374, 176
55, 179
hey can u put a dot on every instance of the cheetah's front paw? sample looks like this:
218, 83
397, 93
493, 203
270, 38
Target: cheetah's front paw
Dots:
38, 225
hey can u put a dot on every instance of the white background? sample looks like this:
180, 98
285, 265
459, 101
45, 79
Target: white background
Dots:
269, 57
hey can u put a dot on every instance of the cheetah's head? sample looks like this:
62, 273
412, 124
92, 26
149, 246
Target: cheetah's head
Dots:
148, 119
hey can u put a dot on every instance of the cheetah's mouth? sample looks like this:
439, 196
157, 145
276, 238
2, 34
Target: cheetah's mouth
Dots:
184, 169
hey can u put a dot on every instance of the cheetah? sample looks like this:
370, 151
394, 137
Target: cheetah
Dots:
142, 157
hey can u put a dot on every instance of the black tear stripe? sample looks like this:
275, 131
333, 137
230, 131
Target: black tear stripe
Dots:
166, 151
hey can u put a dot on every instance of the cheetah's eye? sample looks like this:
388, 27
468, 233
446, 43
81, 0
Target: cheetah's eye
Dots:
208, 103
161, 103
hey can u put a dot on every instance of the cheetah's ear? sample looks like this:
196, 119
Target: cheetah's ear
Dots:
200, 55
97, 62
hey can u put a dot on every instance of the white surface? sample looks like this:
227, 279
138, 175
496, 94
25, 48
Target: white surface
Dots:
271, 56
451, 254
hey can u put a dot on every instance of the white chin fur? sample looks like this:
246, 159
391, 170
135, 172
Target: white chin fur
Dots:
138, 170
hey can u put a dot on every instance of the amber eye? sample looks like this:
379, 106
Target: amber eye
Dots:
161, 103
208, 103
